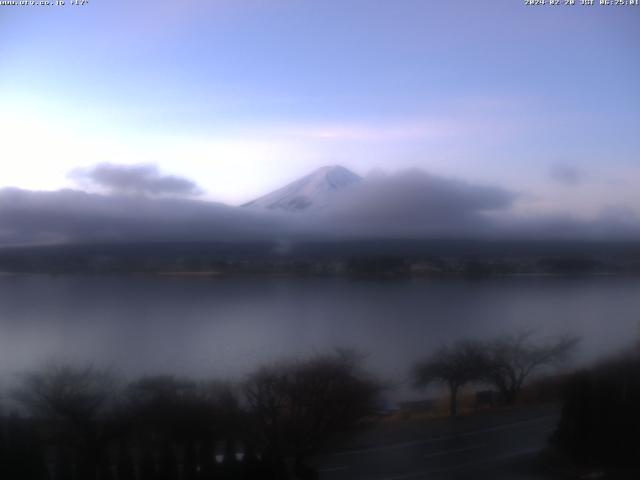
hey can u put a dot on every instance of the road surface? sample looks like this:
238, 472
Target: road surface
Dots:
493, 445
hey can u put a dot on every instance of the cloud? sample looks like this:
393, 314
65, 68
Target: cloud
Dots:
409, 204
611, 224
71, 216
566, 174
414, 202
135, 179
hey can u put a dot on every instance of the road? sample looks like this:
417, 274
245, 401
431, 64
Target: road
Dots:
493, 445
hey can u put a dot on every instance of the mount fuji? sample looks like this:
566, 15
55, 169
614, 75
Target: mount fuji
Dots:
310, 192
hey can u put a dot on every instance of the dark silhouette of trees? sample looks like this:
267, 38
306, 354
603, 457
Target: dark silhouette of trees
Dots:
454, 366
299, 407
72, 406
72, 394
159, 427
173, 425
266, 395
82, 423
509, 360
21, 453
600, 417
505, 362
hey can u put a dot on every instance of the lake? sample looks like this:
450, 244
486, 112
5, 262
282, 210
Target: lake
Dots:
226, 327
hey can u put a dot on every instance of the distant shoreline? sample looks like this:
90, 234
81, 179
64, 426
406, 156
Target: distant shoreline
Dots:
205, 275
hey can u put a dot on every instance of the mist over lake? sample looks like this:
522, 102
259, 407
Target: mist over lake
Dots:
225, 328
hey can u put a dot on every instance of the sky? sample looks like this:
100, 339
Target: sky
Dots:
242, 96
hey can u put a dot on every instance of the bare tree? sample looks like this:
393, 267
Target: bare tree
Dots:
455, 366
72, 404
511, 359
299, 406
75, 394
182, 419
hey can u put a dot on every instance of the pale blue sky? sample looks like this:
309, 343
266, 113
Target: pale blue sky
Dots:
243, 95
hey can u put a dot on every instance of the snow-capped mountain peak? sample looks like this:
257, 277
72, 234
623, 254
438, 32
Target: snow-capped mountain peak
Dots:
310, 192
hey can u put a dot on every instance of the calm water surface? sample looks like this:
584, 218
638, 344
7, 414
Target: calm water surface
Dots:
225, 328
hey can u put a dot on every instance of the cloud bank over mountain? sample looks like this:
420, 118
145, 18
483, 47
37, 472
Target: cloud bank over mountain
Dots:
415, 203
142, 206
72, 216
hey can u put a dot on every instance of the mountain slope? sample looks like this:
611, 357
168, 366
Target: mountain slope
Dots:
310, 192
